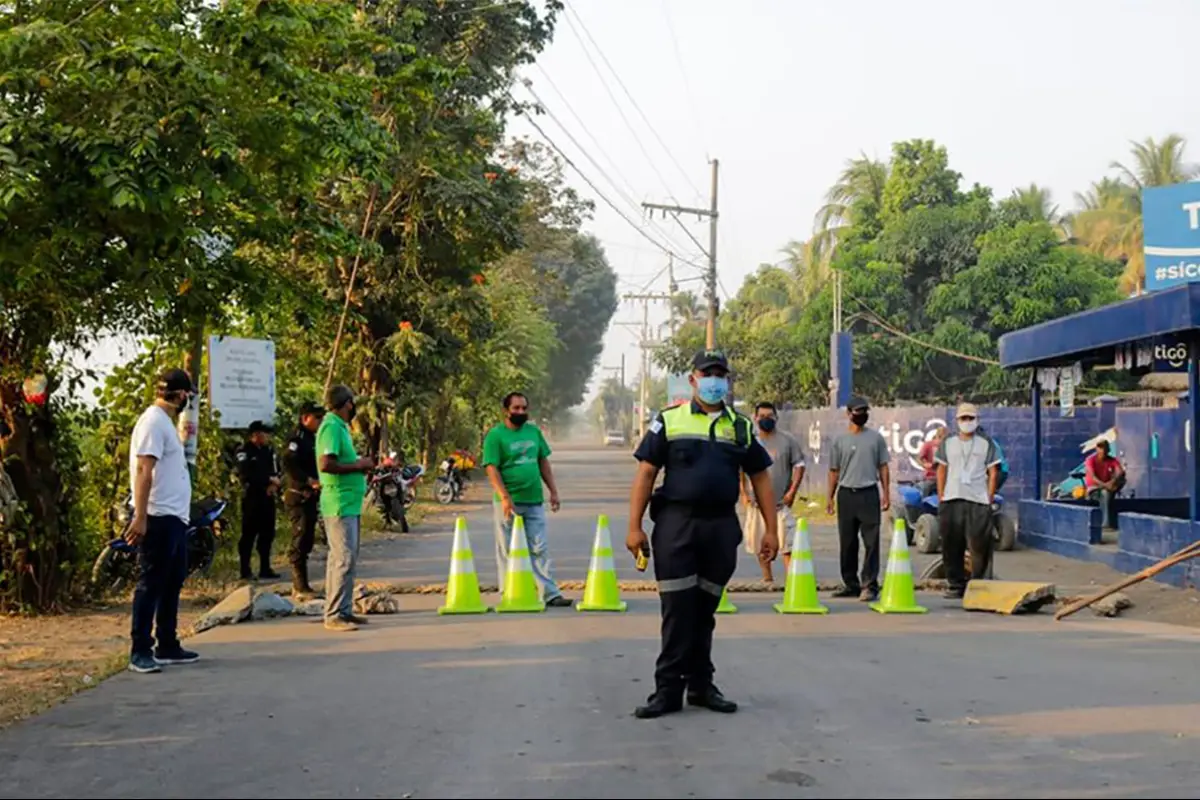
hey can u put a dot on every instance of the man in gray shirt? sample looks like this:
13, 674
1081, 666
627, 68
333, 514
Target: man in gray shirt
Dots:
859, 481
968, 466
786, 471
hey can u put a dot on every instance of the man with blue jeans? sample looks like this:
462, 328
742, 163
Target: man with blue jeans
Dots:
162, 502
343, 477
517, 459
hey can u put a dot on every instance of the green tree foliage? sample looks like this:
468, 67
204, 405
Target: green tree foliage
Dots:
310, 142
932, 276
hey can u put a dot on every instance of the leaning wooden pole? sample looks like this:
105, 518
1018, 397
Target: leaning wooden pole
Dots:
1189, 552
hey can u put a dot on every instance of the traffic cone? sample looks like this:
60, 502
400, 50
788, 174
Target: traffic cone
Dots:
726, 607
462, 587
520, 587
601, 592
800, 591
899, 596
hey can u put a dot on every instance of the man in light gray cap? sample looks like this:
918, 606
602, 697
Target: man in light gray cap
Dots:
968, 466
343, 490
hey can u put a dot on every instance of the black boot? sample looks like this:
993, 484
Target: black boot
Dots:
659, 704
711, 698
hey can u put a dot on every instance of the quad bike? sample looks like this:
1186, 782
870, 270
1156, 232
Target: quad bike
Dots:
920, 517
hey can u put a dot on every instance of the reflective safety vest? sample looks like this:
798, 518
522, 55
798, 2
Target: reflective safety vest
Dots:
704, 456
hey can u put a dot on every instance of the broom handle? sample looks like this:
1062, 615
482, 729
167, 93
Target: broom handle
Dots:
1191, 551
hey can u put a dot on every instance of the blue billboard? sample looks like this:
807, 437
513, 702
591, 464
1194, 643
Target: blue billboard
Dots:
1171, 235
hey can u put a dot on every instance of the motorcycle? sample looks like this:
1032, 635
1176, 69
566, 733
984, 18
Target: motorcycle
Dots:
393, 490
115, 569
450, 484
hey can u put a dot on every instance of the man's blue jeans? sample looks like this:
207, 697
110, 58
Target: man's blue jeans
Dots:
163, 562
539, 549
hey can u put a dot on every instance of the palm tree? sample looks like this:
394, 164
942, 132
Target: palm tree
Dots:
1037, 203
1109, 221
862, 180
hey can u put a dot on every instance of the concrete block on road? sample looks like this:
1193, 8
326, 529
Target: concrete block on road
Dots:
1007, 597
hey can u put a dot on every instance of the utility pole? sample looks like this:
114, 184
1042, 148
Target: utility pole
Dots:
647, 343
711, 278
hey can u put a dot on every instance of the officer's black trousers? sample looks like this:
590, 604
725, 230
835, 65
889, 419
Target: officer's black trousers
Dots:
258, 527
303, 517
694, 557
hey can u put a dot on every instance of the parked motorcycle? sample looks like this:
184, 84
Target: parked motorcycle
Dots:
394, 489
116, 568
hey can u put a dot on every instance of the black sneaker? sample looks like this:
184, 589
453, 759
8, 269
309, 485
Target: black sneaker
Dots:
954, 594
143, 664
712, 699
659, 704
558, 601
176, 656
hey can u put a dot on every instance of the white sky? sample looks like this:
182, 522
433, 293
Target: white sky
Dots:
783, 92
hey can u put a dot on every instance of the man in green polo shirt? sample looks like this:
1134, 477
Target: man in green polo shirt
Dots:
517, 459
343, 489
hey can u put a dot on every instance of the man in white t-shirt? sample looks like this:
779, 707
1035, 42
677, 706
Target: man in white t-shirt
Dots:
162, 501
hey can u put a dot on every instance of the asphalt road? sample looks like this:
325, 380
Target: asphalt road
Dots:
849, 705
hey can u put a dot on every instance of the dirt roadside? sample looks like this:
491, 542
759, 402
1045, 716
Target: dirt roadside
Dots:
46, 659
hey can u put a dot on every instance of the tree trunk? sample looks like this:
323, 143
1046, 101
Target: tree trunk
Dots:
32, 560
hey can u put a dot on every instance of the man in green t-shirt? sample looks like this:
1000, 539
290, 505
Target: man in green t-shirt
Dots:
517, 460
343, 489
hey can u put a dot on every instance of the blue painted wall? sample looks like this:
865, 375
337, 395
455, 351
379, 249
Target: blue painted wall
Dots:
1150, 443
906, 429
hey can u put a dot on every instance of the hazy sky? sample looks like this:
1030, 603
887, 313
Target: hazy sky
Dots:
783, 92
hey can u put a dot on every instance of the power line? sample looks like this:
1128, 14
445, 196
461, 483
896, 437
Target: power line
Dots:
572, 13
611, 96
878, 320
603, 173
641, 231
687, 86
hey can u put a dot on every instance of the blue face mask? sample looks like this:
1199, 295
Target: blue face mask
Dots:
712, 389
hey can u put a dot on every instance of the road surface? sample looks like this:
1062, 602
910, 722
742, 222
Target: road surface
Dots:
413, 705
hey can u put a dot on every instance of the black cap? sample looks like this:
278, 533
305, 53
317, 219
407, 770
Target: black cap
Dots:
707, 359
175, 380
259, 426
855, 403
311, 407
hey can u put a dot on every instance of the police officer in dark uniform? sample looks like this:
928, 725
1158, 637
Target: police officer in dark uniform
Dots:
301, 496
259, 470
704, 446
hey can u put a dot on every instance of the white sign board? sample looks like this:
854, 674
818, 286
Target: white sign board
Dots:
241, 380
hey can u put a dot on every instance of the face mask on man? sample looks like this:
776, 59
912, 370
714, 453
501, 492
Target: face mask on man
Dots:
860, 418
712, 389
766, 425
518, 419
352, 413
968, 425
184, 401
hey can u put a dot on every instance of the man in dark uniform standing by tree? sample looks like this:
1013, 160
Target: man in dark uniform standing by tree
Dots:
704, 446
302, 495
259, 470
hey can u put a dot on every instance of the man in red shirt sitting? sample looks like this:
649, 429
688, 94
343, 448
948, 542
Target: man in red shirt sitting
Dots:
1105, 477
928, 484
